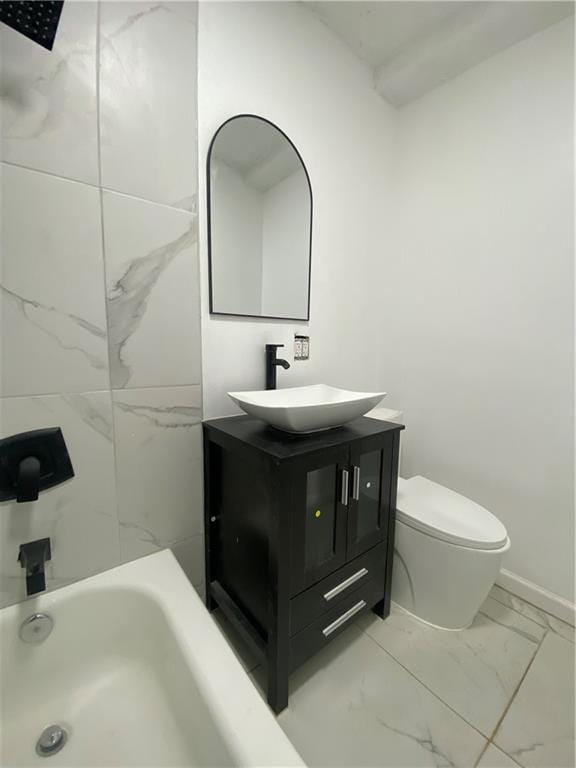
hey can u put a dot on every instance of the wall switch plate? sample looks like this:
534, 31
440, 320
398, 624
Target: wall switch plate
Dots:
301, 347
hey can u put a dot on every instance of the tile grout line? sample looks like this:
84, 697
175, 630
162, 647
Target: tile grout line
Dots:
535, 607
489, 739
520, 633
487, 747
99, 391
52, 175
131, 196
104, 278
98, 129
420, 682
98, 185
481, 755
510, 608
515, 693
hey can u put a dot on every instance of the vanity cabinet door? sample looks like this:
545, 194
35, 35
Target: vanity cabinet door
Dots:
320, 494
370, 485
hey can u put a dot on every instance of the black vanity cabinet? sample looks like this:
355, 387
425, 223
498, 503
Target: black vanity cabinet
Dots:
299, 533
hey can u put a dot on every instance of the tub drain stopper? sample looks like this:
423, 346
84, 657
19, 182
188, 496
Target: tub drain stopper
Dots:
51, 740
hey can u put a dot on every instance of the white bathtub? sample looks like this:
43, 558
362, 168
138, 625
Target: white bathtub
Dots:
137, 673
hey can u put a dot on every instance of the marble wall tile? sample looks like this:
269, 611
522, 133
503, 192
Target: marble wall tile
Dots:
148, 100
475, 671
353, 705
54, 296
538, 729
52, 281
158, 468
152, 293
79, 515
48, 98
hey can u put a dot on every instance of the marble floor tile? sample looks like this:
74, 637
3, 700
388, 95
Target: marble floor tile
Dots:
158, 467
79, 515
495, 758
535, 614
152, 293
538, 730
476, 670
353, 705
49, 117
148, 100
53, 309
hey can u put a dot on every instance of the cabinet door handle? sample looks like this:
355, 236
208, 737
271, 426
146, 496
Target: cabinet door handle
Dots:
356, 484
344, 491
344, 618
346, 583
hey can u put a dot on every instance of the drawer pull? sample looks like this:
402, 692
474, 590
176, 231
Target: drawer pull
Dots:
346, 583
344, 618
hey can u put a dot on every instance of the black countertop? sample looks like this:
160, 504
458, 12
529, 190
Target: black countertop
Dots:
285, 445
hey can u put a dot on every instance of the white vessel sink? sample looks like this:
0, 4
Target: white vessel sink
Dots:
306, 409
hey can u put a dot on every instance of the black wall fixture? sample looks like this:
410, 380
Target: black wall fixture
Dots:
31, 462
36, 20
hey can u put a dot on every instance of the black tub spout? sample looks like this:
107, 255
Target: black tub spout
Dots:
33, 556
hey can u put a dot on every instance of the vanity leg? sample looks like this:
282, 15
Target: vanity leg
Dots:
277, 686
382, 607
381, 610
278, 650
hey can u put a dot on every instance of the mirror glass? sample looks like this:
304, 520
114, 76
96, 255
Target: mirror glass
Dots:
260, 218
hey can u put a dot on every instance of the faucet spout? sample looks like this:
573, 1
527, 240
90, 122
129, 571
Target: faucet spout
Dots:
33, 556
272, 363
28, 481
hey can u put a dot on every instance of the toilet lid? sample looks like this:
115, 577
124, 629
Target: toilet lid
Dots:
445, 514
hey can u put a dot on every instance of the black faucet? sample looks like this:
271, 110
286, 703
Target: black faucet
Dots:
31, 462
272, 362
33, 556
28, 482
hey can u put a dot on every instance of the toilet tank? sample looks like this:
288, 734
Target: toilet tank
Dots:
388, 414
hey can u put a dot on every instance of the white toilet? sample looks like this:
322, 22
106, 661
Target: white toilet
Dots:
448, 550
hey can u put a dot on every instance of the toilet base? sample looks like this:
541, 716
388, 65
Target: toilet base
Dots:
441, 583
429, 623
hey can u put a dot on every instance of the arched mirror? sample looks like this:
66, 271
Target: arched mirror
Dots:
259, 222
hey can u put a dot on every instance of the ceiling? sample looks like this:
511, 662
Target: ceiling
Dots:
414, 46
256, 150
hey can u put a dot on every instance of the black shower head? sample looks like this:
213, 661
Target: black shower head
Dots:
37, 20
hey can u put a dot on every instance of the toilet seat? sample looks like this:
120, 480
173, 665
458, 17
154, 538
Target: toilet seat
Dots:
448, 516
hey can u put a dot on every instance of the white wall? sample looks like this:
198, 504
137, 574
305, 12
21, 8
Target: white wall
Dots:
278, 61
441, 258
236, 214
286, 246
478, 339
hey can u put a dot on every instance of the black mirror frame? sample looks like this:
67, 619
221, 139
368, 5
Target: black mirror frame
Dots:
209, 219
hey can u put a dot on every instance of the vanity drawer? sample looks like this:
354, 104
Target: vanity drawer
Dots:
333, 622
323, 596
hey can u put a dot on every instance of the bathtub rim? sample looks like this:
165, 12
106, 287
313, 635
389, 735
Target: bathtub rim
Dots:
248, 727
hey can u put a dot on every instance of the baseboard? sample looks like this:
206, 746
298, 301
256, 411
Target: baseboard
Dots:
554, 604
